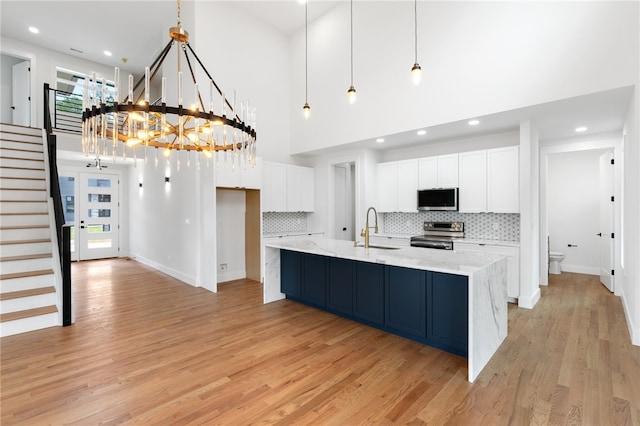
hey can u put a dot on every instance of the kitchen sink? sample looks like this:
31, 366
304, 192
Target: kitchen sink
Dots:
378, 247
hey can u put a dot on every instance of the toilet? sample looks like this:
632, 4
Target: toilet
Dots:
554, 262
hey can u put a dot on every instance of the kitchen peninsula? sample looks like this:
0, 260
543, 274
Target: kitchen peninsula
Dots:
454, 301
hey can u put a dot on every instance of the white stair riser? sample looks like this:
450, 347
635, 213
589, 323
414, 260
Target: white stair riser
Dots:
19, 284
17, 194
24, 219
24, 325
31, 302
17, 162
22, 183
21, 173
24, 207
33, 155
24, 234
12, 143
7, 250
15, 266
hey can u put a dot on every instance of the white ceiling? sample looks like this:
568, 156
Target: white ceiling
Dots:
91, 26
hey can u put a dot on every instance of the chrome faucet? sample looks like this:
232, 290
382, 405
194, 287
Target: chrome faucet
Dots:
365, 232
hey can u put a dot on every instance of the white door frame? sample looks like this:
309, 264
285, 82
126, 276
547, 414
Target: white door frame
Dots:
607, 220
603, 141
21, 99
36, 99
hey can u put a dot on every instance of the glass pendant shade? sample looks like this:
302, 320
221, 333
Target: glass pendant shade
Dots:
416, 74
306, 110
351, 94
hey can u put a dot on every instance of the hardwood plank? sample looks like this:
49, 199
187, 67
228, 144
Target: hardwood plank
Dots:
147, 349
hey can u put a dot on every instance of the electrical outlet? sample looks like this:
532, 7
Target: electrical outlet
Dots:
169, 259
223, 266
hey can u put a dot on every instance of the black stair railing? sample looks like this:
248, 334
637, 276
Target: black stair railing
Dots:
63, 231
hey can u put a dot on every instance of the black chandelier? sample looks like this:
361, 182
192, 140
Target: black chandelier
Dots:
138, 122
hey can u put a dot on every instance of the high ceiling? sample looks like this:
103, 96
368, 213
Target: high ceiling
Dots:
86, 28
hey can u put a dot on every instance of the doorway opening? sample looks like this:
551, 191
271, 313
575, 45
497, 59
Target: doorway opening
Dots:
16, 90
579, 216
344, 222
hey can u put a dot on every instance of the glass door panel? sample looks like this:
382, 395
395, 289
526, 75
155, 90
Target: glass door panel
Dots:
98, 230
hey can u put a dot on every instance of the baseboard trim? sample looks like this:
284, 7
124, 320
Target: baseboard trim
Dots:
231, 276
634, 333
529, 302
578, 269
164, 269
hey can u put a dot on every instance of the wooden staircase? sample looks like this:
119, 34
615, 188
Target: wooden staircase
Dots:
28, 297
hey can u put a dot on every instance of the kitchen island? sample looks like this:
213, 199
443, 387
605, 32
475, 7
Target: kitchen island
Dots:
454, 301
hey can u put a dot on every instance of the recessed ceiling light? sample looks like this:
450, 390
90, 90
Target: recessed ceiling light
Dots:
474, 122
380, 140
422, 132
581, 129
34, 30
302, 1
107, 53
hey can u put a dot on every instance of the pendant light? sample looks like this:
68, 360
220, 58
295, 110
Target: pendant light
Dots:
416, 71
351, 93
306, 109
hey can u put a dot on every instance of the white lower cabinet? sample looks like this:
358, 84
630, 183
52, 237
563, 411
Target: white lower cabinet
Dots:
513, 263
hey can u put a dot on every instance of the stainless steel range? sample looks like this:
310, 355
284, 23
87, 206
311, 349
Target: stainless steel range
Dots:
439, 235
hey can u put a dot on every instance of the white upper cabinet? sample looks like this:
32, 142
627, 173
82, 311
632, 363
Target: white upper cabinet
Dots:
387, 186
407, 189
428, 172
472, 195
503, 180
438, 172
448, 171
398, 186
240, 175
287, 188
489, 181
274, 196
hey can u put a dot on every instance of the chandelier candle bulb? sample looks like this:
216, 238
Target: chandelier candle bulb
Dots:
116, 83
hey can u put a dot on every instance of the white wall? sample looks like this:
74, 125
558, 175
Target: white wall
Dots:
477, 58
573, 206
244, 54
230, 215
631, 213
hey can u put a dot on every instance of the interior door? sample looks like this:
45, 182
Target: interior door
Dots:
68, 190
98, 216
606, 219
21, 94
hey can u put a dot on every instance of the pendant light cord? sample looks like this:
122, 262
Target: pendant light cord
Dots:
351, 42
306, 54
415, 23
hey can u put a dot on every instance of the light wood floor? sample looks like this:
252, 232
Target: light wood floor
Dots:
147, 349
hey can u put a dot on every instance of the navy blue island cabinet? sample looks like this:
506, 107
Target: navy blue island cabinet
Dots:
428, 307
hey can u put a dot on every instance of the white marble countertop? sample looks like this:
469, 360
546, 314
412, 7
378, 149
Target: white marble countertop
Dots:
290, 234
486, 241
446, 261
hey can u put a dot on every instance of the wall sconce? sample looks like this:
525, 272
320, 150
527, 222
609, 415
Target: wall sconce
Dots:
140, 184
166, 179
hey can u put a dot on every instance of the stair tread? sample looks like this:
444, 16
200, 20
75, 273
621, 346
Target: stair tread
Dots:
22, 214
23, 201
12, 316
34, 241
21, 178
4, 157
22, 189
27, 293
26, 274
6, 148
8, 228
25, 257
22, 168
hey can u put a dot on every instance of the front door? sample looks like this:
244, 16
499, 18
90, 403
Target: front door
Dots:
606, 220
91, 206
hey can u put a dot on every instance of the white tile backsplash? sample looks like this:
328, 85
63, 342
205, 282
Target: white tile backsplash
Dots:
283, 222
486, 226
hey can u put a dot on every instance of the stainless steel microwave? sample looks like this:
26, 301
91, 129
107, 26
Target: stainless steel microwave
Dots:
438, 199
